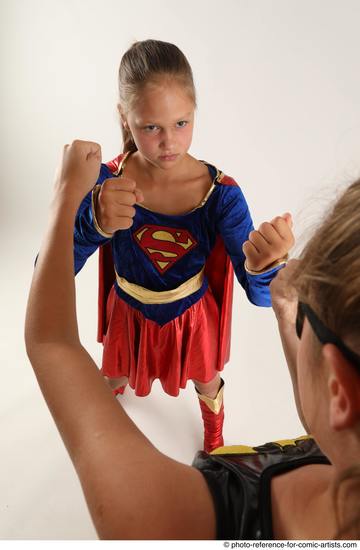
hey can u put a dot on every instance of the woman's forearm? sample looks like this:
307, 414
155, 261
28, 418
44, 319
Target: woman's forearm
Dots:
68, 377
290, 344
51, 314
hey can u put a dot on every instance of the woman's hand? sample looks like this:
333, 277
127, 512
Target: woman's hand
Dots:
283, 295
79, 169
271, 242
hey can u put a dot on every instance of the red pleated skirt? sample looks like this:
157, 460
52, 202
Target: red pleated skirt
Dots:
184, 349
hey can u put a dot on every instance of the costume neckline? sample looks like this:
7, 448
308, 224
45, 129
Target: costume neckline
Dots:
218, 176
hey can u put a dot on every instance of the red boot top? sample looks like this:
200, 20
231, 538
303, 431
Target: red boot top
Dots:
212, 412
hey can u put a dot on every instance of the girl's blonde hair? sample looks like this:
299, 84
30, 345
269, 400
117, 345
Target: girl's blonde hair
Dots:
328, 279
150, 61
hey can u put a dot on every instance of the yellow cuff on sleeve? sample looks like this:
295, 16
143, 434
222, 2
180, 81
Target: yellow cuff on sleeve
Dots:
280, 261
94, 197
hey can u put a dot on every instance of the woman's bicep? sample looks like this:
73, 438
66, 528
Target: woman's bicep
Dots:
149, 496
80, 401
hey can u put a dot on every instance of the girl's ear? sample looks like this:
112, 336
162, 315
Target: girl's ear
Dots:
122, 116
344, 389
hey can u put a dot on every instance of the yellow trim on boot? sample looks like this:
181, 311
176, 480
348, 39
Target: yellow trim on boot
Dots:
213, 404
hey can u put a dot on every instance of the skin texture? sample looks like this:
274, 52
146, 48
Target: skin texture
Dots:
141, 494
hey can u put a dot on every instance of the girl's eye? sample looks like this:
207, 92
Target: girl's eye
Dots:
150, 128
181, 123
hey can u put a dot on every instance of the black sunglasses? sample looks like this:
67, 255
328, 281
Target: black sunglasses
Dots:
325, 335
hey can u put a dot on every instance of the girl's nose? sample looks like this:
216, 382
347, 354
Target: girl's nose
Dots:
166, 139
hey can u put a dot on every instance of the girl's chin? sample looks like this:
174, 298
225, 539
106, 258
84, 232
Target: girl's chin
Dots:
164, 161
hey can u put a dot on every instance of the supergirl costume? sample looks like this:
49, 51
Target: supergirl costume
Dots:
239, 479
165, 289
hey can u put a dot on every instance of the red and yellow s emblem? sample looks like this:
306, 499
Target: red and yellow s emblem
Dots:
164, 245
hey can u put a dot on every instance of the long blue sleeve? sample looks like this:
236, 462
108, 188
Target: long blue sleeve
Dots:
86, 237
234, 224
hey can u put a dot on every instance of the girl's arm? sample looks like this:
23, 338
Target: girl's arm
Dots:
132, 490
234, 223
113, 198
87, 238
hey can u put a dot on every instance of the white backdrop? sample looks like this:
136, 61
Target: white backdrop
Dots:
278, 93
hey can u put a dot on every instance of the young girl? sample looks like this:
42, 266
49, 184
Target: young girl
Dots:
174, 224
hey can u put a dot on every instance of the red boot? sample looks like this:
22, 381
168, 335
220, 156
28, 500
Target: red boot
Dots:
212, 412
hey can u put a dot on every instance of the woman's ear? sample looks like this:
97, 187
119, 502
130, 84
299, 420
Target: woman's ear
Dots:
344, 389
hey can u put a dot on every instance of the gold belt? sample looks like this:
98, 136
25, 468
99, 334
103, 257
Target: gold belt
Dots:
146, 296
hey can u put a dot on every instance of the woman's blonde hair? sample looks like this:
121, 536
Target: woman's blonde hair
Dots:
150, 61
328, 279
328, 276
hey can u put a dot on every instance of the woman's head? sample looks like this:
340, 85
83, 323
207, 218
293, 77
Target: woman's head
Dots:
329, 272
327, 281
157, 96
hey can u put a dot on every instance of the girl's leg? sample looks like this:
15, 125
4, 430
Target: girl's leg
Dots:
117, 384
210, 389
210, 396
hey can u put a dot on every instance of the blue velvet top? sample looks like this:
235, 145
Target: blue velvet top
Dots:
161, 251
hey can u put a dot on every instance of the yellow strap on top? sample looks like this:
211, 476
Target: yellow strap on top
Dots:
146, 296
246, 450
234, 449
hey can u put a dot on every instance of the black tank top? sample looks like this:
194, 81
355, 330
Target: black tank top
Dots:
239, 480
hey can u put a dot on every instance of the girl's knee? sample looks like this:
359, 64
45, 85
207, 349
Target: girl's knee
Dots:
210, 388
116, 383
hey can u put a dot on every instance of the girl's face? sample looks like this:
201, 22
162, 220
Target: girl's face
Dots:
161, 123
